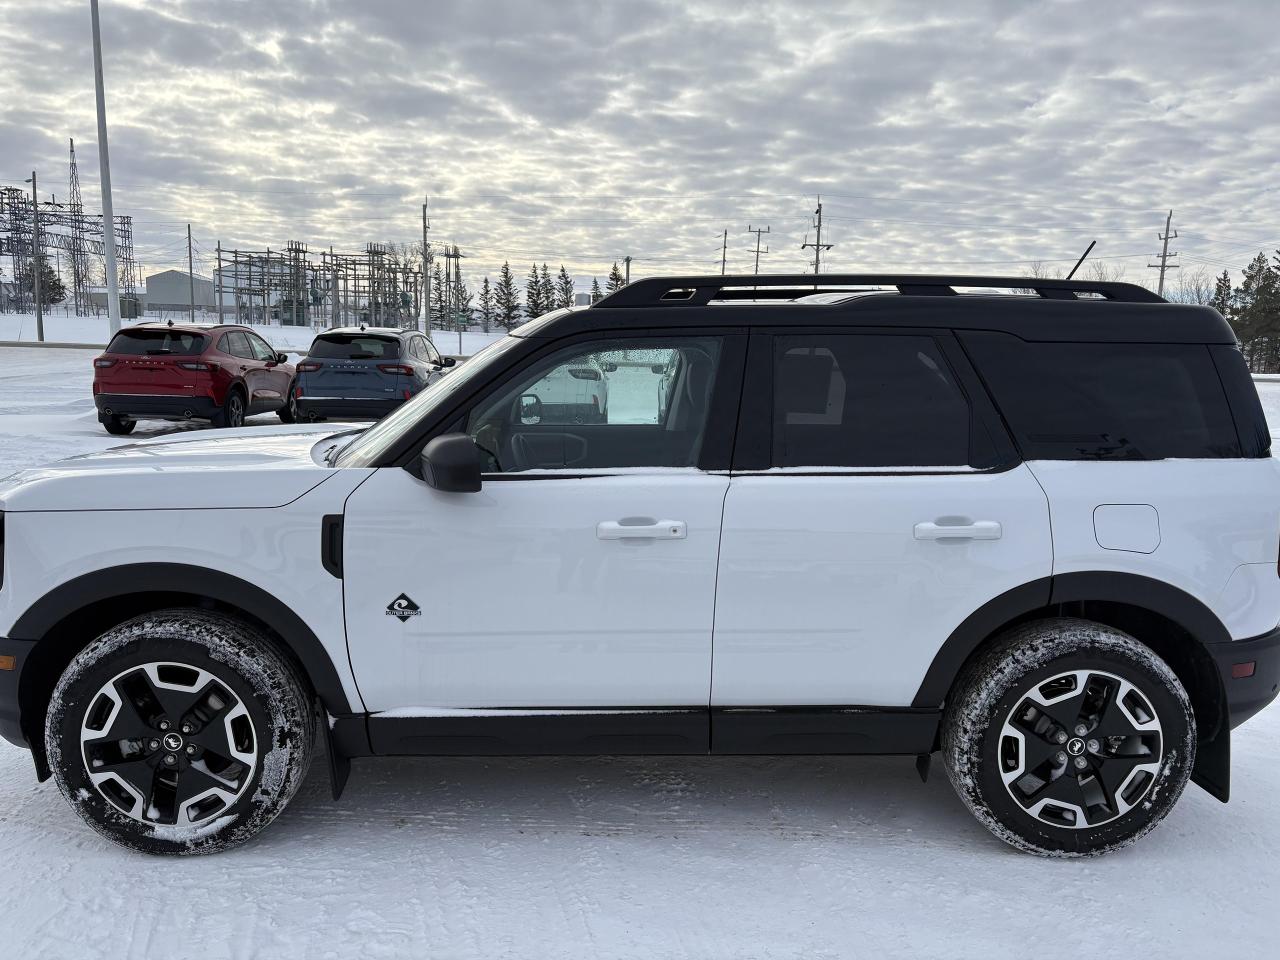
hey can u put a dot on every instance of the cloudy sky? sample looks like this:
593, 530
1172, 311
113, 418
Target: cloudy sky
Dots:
966, 136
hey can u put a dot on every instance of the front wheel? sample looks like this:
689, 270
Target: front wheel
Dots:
289, 412
182, 731
1069, 738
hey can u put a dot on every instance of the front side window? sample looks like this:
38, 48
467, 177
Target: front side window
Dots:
844, 400
603, 405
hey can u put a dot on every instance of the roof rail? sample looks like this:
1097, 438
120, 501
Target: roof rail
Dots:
699, 291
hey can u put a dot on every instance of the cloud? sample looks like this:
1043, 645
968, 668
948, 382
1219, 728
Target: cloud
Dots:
975, 135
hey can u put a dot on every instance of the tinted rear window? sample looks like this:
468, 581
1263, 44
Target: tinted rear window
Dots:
354, 347
1107, 401
179, 343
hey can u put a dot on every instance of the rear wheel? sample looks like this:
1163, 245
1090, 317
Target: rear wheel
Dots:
232, 412
1069, 738
118, 426
182, 731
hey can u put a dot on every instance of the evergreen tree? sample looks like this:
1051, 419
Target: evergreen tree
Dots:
438, 294
616, 281
463, 304
533, 305
51, 289
1255, 314
595, 290
1222, 294
506, 299
548, 289
488, 308
564, 288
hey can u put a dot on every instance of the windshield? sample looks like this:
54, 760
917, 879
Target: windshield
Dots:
369, 447
157, 342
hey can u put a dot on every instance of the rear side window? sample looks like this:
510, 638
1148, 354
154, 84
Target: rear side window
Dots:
866, 401
236, 344
1107, 401
178, 343
354, 347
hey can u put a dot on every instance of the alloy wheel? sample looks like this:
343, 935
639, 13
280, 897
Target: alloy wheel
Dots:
1080, 749
168, 744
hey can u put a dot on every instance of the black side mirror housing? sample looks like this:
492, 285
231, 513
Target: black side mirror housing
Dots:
282, 358
451, 463
448, 361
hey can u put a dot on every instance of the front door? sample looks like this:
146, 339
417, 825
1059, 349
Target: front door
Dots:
582, 575
882, 508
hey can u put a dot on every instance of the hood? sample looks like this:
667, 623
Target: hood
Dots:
247, 467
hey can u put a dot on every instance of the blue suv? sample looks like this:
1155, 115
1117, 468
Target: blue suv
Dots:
363, 373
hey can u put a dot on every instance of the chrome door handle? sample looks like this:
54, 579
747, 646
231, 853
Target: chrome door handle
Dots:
978, 530
646, 529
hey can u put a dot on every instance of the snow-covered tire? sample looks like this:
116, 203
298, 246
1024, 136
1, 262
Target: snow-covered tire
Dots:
180, 705
1129, 741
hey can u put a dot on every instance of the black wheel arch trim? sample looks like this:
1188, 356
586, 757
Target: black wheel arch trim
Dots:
111, 583
1213, 752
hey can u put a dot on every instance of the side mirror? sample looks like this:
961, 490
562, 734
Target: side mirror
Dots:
282, 358
451, 463
448, 361
609, 367
529, 409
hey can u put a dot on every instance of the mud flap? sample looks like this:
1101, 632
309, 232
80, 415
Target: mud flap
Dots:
1212, 772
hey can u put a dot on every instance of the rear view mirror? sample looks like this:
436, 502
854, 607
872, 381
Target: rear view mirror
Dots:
451, 463
529, 409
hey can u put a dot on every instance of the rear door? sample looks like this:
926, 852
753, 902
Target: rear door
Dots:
355, 366
148, 362
247, 367
875, 504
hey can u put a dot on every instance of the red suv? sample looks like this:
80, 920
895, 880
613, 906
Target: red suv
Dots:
188, 372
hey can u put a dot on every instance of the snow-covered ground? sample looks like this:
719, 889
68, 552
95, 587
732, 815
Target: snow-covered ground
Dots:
61, 327
576, 858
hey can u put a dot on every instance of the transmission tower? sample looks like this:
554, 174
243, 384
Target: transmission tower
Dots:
79, 250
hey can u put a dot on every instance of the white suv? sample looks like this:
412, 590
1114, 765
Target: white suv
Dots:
1036, 531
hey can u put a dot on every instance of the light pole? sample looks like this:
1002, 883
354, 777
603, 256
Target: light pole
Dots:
36, 265
104, 165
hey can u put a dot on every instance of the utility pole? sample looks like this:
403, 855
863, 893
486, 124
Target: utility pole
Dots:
1163, 265
426, 268
818, 245
217, 276
626, 262
37, 266
191, 275
724, 249
104, 166
757, 231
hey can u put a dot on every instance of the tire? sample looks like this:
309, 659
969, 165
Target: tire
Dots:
1005, 736
289, 412
180, 732
233, 410
118, 426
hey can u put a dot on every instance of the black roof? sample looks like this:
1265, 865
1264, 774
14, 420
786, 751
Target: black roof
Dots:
1031, 308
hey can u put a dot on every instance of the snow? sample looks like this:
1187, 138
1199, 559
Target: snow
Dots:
63, 328
595, 857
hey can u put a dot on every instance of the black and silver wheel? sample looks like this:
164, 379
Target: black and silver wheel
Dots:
181, 731
232, 412
1069, 738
